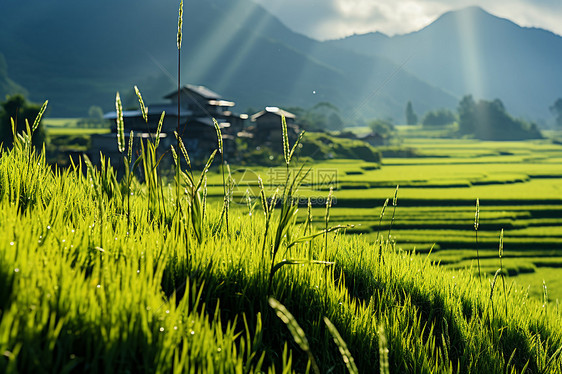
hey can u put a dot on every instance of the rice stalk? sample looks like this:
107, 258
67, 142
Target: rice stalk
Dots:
501, 270
545, 298
380, 244
394, 204
492, 286
179, 39
327, 219
476, 224
225, 195
286, 151
308, 226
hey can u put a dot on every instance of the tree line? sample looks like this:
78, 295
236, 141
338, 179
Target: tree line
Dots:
482, 119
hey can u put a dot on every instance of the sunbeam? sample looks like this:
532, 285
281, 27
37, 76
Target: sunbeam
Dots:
472, 71
225, 75
213, 45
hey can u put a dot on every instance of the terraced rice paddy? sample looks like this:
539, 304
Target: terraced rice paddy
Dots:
519, 185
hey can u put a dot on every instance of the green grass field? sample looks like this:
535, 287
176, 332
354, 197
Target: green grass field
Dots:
101, 275
519, 185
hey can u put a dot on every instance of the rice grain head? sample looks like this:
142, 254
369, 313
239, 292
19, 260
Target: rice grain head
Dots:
159, 129
180, 24
477, 215
144, 109
39, 116
219, 135
120, 124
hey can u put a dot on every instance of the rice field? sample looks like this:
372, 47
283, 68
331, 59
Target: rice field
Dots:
102, 275
518, 184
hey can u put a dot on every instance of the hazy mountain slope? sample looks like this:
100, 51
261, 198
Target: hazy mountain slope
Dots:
7, 86
471, 51
78, 54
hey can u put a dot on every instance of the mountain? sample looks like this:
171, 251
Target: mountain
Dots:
470, 51
7, 86
78, 54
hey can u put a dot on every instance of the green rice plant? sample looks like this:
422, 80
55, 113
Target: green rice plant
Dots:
492, 287
155, 205
179, 40
31, 185
380, 244
195, 208
383, 352
159, 129
144, 109
296, 331
250, 204
344, 351
476, 224
228, 184
288, 204
394, 204
287, 216
267, 206
308, 222
501, 270
327, 219
545, 298
128, 159
129, 175
555, 357
308, 226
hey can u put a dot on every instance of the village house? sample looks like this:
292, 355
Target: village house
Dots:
198, 106
267, 128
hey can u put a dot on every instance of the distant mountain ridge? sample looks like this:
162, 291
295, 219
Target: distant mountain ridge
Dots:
473, 52
78, 54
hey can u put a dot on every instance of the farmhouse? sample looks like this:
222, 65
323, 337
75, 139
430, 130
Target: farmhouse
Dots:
198, 106
267, 126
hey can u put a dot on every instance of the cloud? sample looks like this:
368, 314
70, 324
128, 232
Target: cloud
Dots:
329, 19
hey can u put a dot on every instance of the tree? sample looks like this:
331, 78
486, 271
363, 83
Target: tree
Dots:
489, 120
381, 127
19, 109
556, 110
438, 118
411, 117
467, 115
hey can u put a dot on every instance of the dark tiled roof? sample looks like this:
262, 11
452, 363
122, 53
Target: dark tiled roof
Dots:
199, 90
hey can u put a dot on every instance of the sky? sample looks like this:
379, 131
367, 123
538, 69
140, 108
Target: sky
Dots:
333, 19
